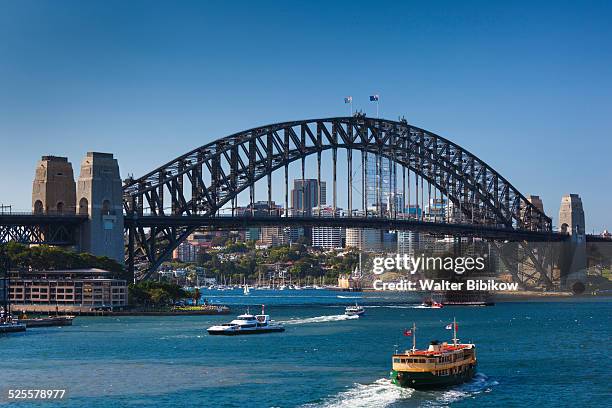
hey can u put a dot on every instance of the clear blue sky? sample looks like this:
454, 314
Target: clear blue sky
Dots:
527, 86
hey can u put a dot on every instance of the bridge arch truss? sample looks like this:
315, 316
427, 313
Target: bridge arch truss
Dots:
209, 178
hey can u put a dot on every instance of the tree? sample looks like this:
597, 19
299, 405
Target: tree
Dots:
196, 296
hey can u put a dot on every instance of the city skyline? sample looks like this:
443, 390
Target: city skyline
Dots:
155, 85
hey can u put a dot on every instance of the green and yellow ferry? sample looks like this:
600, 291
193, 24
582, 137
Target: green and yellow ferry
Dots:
441, 365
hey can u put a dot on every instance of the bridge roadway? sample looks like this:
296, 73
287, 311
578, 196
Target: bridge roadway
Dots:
24, 219
27, 221
243, 222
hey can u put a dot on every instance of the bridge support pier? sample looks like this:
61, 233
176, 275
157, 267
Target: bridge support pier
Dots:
99, 195
573, 260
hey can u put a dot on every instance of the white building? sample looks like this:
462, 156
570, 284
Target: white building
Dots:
366, 239
326, 237
185, 252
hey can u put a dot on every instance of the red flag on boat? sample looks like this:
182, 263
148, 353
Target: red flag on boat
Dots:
407, 332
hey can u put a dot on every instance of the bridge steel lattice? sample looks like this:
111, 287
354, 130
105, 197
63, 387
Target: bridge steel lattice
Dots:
209, 178
37, 229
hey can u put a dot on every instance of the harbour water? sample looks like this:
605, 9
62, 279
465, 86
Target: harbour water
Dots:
546, 354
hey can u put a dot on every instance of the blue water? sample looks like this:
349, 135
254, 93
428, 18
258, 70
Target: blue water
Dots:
546, 354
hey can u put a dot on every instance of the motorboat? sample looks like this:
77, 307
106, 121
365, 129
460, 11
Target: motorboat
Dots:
247, 324
354, 310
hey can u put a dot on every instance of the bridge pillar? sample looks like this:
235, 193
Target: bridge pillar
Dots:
573, 261
53, 189
99, 195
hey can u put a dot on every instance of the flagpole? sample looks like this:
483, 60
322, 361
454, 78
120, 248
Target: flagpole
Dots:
454, 331
413, 336
377, 107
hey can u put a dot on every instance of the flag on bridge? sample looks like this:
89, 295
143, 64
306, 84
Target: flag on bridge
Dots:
348, 99
407, 332
373, 98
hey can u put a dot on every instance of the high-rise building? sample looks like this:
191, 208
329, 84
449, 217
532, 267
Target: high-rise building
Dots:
381, 182
412, 243
364, 239
185, 252
436, 209
305, 195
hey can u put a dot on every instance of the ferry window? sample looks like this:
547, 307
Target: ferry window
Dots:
396, 360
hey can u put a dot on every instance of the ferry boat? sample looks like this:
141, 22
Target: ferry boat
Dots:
247, 324
354, 310
441, 365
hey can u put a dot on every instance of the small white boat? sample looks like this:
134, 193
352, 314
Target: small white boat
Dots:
432, 304
354, 310
246, 290
247, 324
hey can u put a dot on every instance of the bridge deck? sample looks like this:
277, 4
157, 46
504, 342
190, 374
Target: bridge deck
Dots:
473, 230
41, 219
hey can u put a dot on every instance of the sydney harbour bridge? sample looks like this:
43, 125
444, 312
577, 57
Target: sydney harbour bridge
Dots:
202, 189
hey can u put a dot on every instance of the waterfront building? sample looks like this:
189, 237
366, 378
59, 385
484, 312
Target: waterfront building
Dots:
349, 282
72, 291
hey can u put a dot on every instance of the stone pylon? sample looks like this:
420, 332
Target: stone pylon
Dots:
53, 189
573, 260
99, 195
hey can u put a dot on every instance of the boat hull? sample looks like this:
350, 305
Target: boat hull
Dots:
425, 380
47, 322
245, 332
12, 328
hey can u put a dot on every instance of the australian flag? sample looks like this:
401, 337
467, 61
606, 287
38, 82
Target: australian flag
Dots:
373, 98
348, 99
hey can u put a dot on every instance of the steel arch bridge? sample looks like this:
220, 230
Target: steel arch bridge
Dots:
191, 190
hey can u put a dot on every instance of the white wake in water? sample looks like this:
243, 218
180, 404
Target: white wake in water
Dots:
381, 393
401, 306
480, 383
348, 297
320, 319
